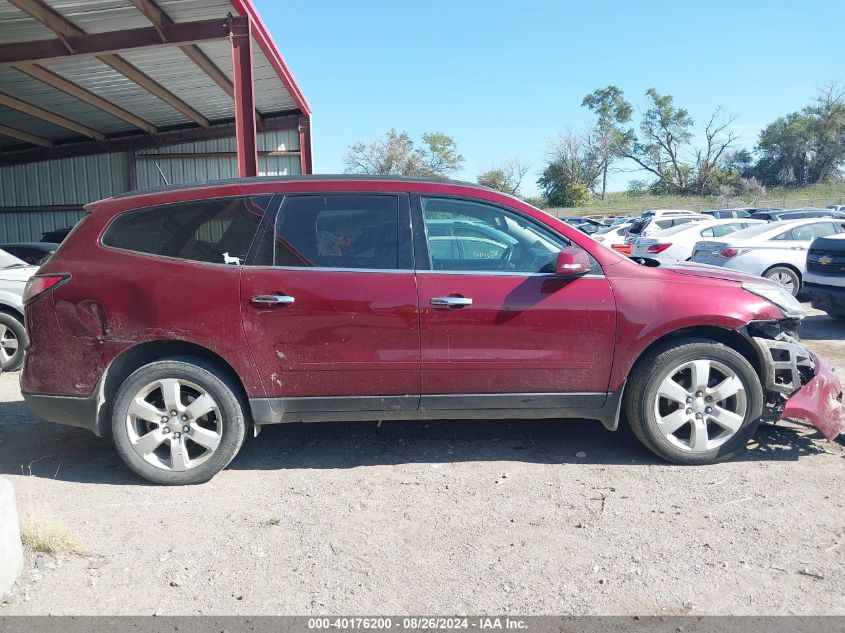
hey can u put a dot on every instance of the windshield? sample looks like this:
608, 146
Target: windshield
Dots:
638, 226
8, 260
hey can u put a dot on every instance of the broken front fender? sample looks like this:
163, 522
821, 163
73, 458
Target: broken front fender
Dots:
819, 402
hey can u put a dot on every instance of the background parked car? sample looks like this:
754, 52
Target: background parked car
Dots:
56, 236
614, 236
774, 215
14, 273
824, 279
677, 243
33, 253
650, 224
585, 225
728, 213
777, 250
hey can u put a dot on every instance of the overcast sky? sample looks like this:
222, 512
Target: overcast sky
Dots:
503, 78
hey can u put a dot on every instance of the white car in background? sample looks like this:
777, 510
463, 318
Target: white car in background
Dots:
14, 273
775, 250
647, 225
613, 235
677, 243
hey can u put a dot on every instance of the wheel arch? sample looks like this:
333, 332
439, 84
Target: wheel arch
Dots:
791, 267
734, 339
11, 311
135, 357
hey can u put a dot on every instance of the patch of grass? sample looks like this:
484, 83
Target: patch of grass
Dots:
42, 531
44, 534
624, 203
270, 522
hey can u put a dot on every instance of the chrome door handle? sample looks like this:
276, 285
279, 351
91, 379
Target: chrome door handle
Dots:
272, 300
450, 302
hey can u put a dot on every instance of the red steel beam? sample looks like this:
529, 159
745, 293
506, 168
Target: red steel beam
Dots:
140, 141
306, 165
116, 41
245, 131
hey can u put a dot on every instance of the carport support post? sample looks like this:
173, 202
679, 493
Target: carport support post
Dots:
245, 132
305, 164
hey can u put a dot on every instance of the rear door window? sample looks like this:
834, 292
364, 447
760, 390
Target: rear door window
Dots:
218, 231
347, 231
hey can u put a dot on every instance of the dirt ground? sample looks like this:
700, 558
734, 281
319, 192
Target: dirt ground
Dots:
452, 517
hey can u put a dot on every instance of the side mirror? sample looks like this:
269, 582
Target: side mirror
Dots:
571, 262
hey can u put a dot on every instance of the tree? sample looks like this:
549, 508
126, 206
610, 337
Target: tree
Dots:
573, 170
805, 147
506, 178
613, 111
396, 155
664, 146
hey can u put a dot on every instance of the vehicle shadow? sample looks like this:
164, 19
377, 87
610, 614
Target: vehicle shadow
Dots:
821, 327
32, 447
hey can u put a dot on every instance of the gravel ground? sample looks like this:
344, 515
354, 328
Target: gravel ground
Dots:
534, 517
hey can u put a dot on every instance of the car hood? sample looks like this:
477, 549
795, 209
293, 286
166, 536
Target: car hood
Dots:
17, 274
712, 272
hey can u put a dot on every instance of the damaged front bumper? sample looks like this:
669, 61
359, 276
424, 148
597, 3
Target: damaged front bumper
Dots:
801, 386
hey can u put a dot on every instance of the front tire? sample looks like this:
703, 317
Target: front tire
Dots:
178, 421
12, 342
694, 401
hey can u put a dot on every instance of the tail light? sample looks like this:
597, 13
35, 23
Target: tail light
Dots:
733, 252
40, 285
657, 248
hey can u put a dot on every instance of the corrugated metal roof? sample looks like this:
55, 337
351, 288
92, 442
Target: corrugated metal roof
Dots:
32, 91
168, 66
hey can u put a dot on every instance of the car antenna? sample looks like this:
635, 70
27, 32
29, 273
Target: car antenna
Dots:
161, 173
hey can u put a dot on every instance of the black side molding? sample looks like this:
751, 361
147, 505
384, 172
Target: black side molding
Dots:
78, 412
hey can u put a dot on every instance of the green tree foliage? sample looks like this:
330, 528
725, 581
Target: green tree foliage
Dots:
805, 147
613, 112
506, 178
573, 170
396, 154
663, 146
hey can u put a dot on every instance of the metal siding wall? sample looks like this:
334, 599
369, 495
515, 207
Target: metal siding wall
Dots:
67, 181
198, 169
72, 181
27, 226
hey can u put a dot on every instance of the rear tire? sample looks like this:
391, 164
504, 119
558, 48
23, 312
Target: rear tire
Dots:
786, 277
178, 421
13, 340
668, 408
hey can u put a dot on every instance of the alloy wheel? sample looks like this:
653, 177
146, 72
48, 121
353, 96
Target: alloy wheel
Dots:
8, 343
700, 405
785, 280
174, 424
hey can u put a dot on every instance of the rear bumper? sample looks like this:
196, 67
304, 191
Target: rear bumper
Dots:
78, 412
830, 299
819, 402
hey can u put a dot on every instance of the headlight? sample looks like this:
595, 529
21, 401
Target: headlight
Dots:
779, 296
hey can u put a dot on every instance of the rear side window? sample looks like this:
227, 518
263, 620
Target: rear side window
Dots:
218, 231
359, 231
812, 231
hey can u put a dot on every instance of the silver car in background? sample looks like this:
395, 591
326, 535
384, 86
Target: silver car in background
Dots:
775, 250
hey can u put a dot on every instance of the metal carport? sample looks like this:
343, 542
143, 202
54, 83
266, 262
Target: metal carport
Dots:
195, 83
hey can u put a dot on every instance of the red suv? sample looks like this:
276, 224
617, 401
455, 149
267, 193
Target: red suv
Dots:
173, 320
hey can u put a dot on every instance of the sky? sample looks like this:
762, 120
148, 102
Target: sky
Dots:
505, 78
